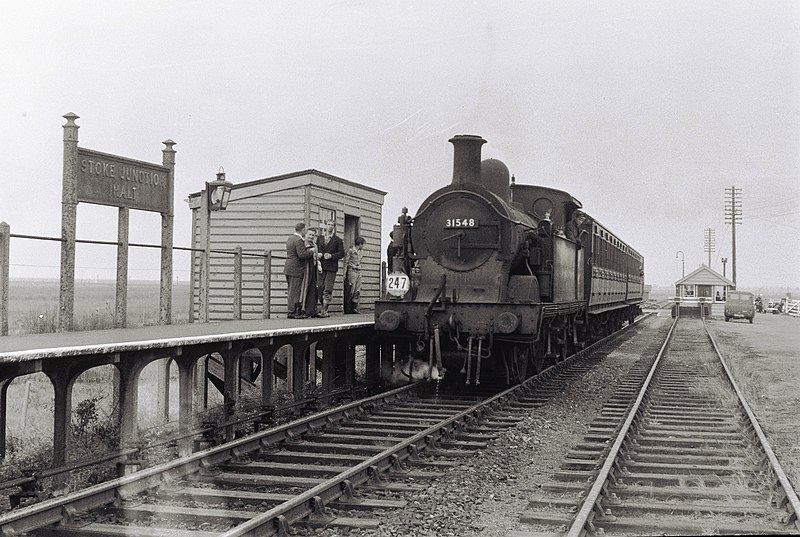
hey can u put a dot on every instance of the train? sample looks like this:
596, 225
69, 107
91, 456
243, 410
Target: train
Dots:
492, 281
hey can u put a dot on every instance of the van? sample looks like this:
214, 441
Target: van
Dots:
740, 305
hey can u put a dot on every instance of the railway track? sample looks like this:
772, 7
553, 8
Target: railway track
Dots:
334, 468
677, 450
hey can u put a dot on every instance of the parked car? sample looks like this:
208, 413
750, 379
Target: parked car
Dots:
740, 305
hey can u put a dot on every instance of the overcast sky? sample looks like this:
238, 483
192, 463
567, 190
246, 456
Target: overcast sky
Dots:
644, 111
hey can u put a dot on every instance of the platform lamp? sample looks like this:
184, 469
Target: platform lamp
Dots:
683, 263
219, 192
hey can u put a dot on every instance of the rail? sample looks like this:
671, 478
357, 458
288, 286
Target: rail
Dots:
53, 510
593, 504
593, 507
28, 483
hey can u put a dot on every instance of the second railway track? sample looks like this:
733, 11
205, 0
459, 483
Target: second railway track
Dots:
676, 452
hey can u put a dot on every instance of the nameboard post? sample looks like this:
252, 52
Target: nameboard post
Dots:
121, 309
69, 210
103, 179
167, 222
5, 256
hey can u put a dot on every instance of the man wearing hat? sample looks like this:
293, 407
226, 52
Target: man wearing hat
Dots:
572, 229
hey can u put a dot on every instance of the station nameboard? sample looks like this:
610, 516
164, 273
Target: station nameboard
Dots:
122, 182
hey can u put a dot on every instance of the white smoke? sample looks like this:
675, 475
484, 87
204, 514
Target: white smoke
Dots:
401, 373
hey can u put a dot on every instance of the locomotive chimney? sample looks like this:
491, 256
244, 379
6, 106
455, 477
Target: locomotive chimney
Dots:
466, 158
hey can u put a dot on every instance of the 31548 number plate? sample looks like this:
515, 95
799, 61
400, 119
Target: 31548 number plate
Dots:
451, 223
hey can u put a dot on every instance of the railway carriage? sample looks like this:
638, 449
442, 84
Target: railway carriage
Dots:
494, 280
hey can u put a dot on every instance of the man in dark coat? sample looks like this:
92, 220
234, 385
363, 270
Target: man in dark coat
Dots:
331, 250
392, 251
572, 229
296, 255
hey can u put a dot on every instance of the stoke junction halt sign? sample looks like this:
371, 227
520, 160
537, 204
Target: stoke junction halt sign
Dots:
122, 182
94, 177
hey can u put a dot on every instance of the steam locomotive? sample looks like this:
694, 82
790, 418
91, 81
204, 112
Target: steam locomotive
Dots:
497, 280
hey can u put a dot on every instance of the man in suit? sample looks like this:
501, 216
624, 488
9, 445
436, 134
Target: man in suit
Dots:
331, 250
296, 255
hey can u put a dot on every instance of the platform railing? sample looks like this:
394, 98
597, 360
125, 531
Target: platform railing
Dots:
120, 312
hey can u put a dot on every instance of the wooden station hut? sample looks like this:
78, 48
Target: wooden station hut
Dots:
259, 217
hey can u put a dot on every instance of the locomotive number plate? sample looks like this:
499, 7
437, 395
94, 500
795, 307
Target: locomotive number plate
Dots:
452, 223
397, 284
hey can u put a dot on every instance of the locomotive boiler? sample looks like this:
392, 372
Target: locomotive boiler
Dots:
495, 280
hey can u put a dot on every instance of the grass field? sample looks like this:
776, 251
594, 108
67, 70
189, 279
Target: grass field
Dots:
33, 304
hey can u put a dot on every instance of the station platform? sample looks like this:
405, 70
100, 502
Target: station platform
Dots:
308, 346
34, 346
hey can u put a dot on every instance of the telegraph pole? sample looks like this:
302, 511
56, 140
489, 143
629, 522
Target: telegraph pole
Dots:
733, 216
708, 243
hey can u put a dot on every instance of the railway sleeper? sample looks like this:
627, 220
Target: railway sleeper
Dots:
399, 425
688, 480
676, 506
680, 407
690, 421
341, 438
111, 530
647, 492
330, 447
690, 442
586, 454
265, 499
530, 516
343, 522
720, 450
671, 458
699, 397
277, 468
300, 457
578, 464
416, 423
719, 431
414, 414
450, 453
248, 480
435, 405
409, 488
376, 432
184, 515
637, 525
678, 468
